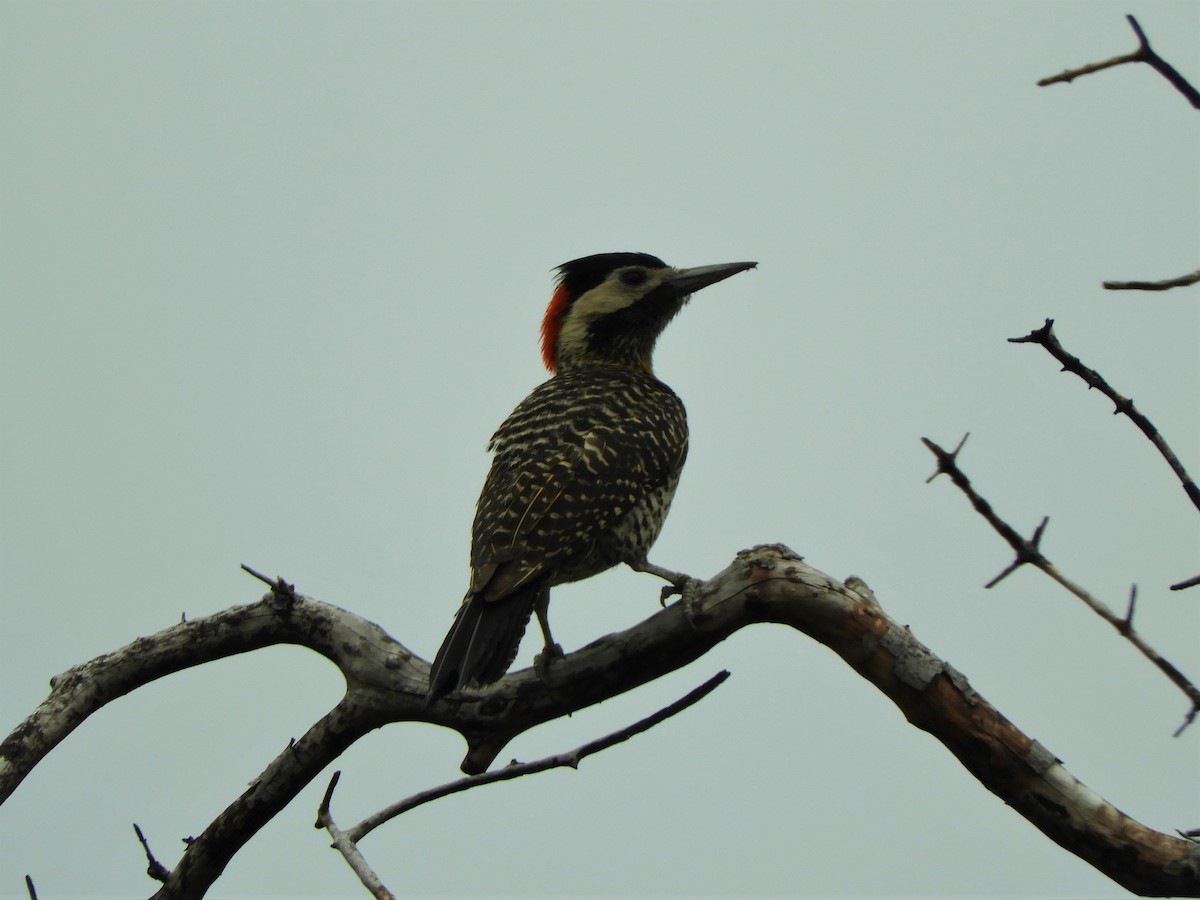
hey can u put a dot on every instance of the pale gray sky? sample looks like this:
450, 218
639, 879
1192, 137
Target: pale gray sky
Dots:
272, 273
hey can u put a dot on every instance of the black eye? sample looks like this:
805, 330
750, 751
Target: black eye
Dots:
633, 277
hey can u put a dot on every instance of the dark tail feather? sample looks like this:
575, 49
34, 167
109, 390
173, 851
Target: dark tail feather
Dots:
482, 642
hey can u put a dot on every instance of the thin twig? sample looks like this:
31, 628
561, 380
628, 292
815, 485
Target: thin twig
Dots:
1130, 609
1046, 338
29, 887
571, 758
154, 868
346, 842
1069, 75
1187, 720
1186, 583
1027, 551
1144, 53
281, 591
1165, 285
259, 575
347, 847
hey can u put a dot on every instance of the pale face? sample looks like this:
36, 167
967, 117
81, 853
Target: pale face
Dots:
623, 288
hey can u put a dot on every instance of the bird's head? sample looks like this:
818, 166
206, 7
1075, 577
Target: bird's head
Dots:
611, 307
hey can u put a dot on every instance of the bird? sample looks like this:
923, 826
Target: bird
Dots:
584, 469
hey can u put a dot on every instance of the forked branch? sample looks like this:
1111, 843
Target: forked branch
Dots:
1143, 54
386, 683
349, 850
346, 841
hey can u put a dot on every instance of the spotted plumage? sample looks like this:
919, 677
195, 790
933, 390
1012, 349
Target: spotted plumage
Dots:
584, 469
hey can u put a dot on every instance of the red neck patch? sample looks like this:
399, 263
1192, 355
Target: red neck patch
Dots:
552, 325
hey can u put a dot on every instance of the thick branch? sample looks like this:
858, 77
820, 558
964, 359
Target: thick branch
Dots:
938, 699
770, 584
767, 584
361, 649
207, 855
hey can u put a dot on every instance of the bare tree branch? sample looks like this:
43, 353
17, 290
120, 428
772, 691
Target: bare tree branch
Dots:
1165, 285
1046, 338
207, 855
361, 649
346, 842
1144, 54
571, 758
1027, 552
386, 683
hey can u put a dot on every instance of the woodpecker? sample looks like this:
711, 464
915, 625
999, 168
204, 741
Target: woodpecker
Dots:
584, 469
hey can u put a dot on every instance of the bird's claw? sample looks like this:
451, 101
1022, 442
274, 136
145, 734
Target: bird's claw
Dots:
688, 590
541, 662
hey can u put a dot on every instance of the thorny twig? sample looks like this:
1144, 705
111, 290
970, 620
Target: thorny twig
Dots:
1144, 53
1128, 620
1045, 336
1027, 551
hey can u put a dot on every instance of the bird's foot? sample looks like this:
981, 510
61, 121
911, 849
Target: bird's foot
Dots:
678, 580
687, 587
689, 598
541, 662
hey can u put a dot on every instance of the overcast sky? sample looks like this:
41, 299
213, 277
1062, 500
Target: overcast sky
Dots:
272, 273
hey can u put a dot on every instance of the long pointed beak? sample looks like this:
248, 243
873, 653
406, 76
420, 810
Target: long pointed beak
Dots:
687, 281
